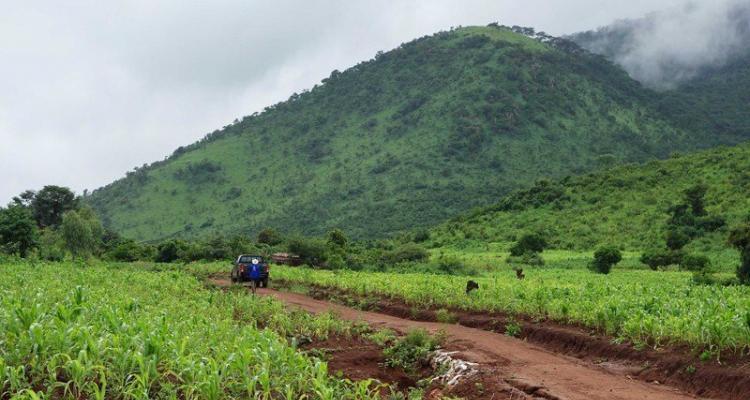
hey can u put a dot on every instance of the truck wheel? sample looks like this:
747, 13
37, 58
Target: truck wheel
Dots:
234, 275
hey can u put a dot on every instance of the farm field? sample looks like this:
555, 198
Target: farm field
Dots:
645, 307
126, 331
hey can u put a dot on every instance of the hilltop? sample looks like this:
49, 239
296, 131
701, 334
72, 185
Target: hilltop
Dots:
625, 206
418, 134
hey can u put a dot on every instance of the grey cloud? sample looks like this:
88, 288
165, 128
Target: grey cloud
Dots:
675, 45
90, 89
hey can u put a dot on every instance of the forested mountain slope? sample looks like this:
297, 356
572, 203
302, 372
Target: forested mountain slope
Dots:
627, 206
416, 135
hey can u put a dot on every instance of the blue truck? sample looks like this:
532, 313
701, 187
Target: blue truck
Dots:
250, 268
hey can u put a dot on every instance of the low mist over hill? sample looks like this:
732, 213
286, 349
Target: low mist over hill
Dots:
668, 48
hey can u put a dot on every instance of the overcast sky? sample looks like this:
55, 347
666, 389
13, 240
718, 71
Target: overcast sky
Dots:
90, 89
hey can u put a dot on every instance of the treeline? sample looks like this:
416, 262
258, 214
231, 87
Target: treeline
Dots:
53, 225
50, 224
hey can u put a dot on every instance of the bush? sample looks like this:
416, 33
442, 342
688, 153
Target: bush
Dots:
529, 243
740, 239
313, 252
533, 259
661, 258
694, 262
677, 239
337, 238
169, 251
604, 259
127, 251
270, 237
406, 253
50, 246
452, 265
411, 351
421, 235
335, 261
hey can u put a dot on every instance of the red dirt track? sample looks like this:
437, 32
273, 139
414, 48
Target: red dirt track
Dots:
518, 369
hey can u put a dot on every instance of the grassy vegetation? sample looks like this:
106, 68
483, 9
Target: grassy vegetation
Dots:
645, 307
626, 207
132, 331
417, 134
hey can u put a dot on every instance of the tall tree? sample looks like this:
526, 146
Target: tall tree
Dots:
50, 203
18, 231
24, 199
82, 232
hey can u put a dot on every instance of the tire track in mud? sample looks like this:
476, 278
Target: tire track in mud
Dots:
520, 369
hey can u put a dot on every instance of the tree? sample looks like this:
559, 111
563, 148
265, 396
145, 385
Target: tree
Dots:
604, 259
51, 246
24, 199
694, 263
50, 203
313, 252
740, 239
694, 198
270, 237
529, 243
81, 232
18, 231
336, 238
677, 238
660, 258
169, 251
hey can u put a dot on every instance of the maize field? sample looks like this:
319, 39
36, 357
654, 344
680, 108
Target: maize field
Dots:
645, 307
118, 331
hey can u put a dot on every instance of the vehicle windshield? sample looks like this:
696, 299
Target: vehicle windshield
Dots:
249, 259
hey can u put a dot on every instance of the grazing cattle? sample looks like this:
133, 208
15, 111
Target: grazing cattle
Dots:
519, 273
471, 285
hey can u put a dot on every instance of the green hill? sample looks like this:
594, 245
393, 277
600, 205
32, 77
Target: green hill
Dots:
624, 206
416, 135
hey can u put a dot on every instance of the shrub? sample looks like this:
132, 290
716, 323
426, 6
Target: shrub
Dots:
529, 243
270, 237
50, 245
169, 251
444, 316
660, 258
411, 351
694, 262
404, 253
534, 259
313, 252
604, 259
127, 251
421, 235
335, 261
337, 238
452, 265
677, 239
740, 239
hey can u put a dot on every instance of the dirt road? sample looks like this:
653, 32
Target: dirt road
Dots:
523, 365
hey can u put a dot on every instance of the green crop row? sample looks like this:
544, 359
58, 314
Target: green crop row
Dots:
644, 307
122, 332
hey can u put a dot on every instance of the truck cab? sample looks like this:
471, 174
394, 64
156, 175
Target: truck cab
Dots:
250, 267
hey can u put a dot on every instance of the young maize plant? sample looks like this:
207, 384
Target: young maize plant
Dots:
645, 307
125, 332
